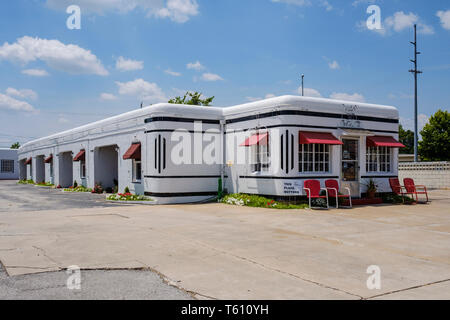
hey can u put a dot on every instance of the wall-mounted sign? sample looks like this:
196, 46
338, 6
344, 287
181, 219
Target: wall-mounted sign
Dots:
292, 188
350, 117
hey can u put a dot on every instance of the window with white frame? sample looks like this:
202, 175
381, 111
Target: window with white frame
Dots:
7, 166
314, 158
137, 170
378, 159
51, 168
82, 169
260, 154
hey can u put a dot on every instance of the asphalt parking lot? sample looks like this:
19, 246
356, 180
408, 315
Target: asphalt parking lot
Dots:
217, 251
16, 197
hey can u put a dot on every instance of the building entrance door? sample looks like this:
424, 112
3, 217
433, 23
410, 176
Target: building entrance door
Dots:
350, 166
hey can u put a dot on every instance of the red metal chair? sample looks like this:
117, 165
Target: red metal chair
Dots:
411, 188
333, 191
312, 188
398, 189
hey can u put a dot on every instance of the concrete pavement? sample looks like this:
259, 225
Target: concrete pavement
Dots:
228, 252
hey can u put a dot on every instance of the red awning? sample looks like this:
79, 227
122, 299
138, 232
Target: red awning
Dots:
383, 141
307, 137
28, 161
257, 139
133, 152
81, 156
48, 159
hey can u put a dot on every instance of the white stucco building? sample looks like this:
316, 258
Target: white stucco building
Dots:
9, 165
177, 153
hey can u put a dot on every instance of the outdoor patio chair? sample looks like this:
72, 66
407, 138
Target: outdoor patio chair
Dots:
412, 188
312, 188
333, 191
398, 189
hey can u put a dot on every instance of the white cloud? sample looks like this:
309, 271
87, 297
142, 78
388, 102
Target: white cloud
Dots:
300, 3
309, 92
35, 72
107, 96
123, 64
172, 73
150, 92
195, 66
444, 16
22, 93
358, 2
211, 77
348, 97
9, 103
408, 124
69, 58
399, 22
269, 95
326, 5
333, 65
178, 10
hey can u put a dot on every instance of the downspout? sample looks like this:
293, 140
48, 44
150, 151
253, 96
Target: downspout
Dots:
222, 171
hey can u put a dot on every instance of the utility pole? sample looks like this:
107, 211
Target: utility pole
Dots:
303, 77
416, 72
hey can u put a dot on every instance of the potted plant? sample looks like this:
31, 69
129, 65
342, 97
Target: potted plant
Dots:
371, 189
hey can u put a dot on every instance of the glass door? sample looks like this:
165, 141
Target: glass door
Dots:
350, 166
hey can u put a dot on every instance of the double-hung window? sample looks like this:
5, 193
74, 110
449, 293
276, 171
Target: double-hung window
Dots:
314, 158
378, 159
7, 166
83, 169
260, 152
137, 170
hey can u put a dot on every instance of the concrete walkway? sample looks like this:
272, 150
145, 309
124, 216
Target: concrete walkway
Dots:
228, 252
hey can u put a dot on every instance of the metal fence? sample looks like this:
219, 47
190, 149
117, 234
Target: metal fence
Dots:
434, 175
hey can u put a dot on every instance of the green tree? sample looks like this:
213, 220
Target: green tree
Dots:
435, 144
407, 138
192, 98
15, 145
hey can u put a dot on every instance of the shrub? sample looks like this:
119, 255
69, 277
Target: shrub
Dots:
97, 188
258, 202
127, 190
78, 189
75, 184
127, 197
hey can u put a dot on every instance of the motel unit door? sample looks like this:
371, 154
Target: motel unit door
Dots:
350, 166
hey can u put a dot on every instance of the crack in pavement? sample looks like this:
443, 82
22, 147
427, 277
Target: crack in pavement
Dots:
407, 289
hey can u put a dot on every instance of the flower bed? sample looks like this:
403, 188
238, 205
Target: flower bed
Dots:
127, 197
78, 189
45, 184
25, 182
239, 199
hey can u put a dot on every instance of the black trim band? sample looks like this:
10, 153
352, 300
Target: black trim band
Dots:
180, 194
177, 119
305, 126
309, 114
183, 130
184, 177
288, 178
374, 177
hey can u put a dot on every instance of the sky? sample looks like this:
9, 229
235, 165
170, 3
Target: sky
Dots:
56, 74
